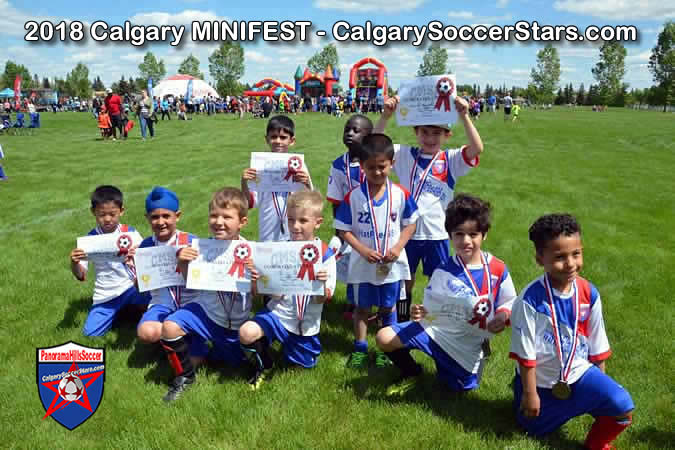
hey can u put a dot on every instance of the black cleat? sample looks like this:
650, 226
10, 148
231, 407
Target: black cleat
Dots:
178, 386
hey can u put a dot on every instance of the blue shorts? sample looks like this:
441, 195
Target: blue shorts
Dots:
159, 313
595, 393
431, 253
413, 336
367, 295
350, 294
194, 321
301, 350
101, 316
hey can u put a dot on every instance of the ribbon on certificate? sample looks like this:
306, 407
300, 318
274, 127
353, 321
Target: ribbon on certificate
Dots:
241, 254
480, 313
294, 166
123, 244
445, 88
309, 255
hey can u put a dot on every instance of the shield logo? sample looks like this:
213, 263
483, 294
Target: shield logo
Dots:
439, 167
70, 380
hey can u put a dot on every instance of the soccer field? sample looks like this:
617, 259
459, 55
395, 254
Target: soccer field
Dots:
613, 170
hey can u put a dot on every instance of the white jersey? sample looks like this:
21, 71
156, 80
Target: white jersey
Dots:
272, 217
301, 314
508, 101
394, 211
112, 278
339, 182
533, 343
176, 296
459, 340
431, 181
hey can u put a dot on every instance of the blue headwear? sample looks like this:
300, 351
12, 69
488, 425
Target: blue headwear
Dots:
161, 197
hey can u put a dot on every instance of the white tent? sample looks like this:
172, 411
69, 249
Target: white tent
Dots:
176, 85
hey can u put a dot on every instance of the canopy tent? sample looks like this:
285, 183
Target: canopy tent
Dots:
176, 85
8, 93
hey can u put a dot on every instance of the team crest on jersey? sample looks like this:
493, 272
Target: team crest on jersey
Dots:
70, 381
584, 312
393, 216
439, 167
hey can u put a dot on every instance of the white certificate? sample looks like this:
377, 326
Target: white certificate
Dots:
275, 171
427, 101
289, 267
156, 268
455, 314
220, 266
108, 247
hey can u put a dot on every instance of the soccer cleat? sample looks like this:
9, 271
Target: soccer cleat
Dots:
178, 385
357, 360
403, 386
258, 378
382, 360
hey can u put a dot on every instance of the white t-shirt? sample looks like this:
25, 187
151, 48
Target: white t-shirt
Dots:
533, 343
290, 308
450, 280
508, 101
395, 210
339, 184
112, 278
432, 197
272, 217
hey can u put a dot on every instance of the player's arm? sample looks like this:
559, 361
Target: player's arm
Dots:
185, 256
76, 267
475, 144
530, 404
247, 175
389, 107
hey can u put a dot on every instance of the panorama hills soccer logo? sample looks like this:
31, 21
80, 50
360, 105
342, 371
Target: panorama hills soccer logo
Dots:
70, 380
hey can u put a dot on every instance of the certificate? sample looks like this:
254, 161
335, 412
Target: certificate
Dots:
108, 247
275, 171
427, 101
289, 267
220, 266
156, 268
451, 313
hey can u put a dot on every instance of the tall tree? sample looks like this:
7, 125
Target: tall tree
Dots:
581, 95
328, 55
98, 85
77, 81
546, 75
123, 87
151, 68
190, 66
609, 71
11, 71
662, 62
434, 61
226, 66
45, 83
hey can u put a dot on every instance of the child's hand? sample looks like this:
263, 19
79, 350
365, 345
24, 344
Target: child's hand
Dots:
390, 106
249, 174
498, 323
392, 255
322, 275
255, 275
530, 405
302, 177
129, 258
186, 255
461, 106
417, 312
77, 255
373, 256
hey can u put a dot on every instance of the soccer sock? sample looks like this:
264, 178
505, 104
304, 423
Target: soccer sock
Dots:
604, 430
405, 362
178, 353
403, 308
387, 318
259, 353
361, 346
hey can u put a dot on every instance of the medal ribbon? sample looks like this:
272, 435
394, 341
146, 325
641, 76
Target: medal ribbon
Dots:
174, 291
418, 190
349, 172
281, 213
131, 271
565, 366
486, 288
222, 296
301, 302
381, 249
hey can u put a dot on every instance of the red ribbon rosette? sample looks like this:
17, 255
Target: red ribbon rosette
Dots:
480, 313
294, 166
241, 254
309, 255
123, 244
445, 87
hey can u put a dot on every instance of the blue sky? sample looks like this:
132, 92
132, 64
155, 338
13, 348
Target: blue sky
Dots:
496, 63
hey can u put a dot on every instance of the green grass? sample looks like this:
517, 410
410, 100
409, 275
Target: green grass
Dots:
613, 170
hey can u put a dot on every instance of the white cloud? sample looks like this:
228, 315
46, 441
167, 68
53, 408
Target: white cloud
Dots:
619, 9
567, 69
520, 73
478, 20
182, 18
12, 20
577, 52
461, 15
381, 6
85, 57
257, 57
639, 58
133, 57
502, 3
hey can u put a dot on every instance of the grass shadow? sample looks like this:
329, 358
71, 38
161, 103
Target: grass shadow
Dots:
69, 319
656, 438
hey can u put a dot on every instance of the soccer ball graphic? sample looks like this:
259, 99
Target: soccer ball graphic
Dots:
241, 252
124, 242
294, 164
482, 308
308, 254
444, 86
71, 388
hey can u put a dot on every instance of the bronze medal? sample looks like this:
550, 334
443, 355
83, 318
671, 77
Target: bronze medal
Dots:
383, 269
561, 390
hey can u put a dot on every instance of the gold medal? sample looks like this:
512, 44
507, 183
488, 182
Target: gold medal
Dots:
383, 269
561, 390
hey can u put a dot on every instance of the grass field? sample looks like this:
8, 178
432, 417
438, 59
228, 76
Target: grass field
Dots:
613, 170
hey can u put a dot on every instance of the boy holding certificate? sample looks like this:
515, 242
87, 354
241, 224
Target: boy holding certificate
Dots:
378, 218
467, 300
293, 320
273, 218
430, 174
560, 343
114, 286
215, 316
